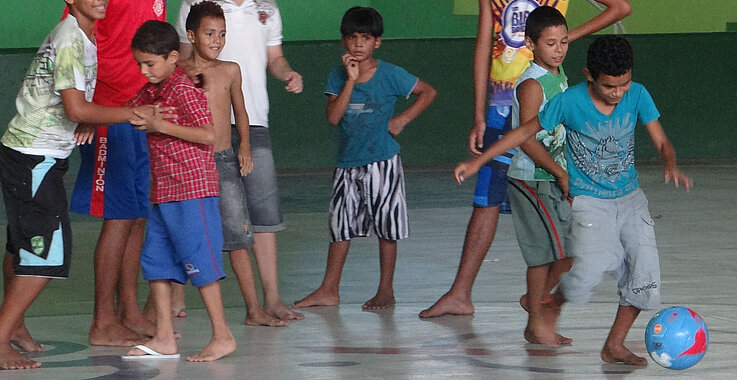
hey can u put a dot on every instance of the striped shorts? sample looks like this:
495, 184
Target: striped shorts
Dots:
369, 197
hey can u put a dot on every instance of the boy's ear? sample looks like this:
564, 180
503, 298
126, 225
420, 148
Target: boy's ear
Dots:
190, 36
173, 57
529, 44
587, 73
377, 43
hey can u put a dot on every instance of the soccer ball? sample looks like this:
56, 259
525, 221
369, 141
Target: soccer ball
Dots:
676, 337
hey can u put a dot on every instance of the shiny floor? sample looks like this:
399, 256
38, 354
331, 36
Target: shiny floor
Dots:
696, 235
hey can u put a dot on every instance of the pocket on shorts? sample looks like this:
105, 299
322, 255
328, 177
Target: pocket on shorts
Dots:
647, 231
36, 232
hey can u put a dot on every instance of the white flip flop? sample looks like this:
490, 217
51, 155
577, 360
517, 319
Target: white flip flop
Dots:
150, 354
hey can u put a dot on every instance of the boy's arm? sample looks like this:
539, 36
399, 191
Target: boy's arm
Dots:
530, 96
201, 134
425, 95
511, 139
615, 11
280, 69
481, 59
79, 110
338, 104
241, 121
668, 154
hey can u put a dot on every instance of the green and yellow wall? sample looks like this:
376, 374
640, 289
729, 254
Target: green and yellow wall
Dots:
684, 54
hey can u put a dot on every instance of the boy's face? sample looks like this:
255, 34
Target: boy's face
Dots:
209, 38
360, 45
551, 48
609, 89
155, 67
90, 9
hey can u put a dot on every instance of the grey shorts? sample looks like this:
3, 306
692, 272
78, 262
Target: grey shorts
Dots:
369, 197
613, 236
541, 220
233, 205
261, 187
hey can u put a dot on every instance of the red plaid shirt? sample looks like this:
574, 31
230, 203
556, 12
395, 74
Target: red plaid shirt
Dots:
180, 170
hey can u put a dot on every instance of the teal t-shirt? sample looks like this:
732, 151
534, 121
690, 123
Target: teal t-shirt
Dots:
364, 129
601, 148
522, 166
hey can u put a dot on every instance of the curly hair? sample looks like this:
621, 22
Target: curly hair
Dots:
156, 37
362, 20
201, 10
610, 55
539, 19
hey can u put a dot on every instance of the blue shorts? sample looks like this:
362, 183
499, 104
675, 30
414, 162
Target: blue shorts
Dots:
491, 185
184, 240
113, 179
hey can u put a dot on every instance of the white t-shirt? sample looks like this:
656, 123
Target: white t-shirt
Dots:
67, 59
251, 28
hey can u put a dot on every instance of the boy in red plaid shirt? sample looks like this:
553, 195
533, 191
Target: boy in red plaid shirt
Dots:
184, 237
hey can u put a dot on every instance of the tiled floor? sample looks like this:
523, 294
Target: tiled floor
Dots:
697, 238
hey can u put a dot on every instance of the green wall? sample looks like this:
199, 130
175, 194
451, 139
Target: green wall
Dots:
319, 19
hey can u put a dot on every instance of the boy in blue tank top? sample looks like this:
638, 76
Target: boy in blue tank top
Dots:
540, 208
368, 184
612, 231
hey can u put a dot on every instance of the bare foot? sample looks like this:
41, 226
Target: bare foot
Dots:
319, 298
259, 317
12, 359
164, 347
380, 301
448, 305
281, 311
179, 312
140, 325
114, 335
558, 340
622, 355
216, 349
22, 339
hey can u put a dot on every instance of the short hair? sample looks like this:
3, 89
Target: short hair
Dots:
156, 37
540, 18
201, 10
362, 20
610, 55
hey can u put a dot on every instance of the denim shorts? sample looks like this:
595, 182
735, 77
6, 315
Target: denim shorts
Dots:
261, 187
233, 206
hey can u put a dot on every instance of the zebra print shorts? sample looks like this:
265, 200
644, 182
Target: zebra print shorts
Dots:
369, 197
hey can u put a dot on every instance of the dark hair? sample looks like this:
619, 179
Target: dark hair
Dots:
201, 10
362, 20
540, 18
156, 37
610, 55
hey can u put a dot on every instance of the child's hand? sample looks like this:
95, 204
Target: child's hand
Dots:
563, 184
246, 160
464, 170
351, 66
147, 118
84, 134
396, 125
476, 138
294, 82
678, 178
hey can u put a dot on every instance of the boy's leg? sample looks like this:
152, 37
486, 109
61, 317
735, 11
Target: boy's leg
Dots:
263, 207
255, 315
20, 335
130, 312
178, 300
222, 342
614, 350
328, 292
19, 295
163, 341
479, 236
106, 328
384, 297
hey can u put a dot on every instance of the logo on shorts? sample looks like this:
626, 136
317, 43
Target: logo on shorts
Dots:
652, 285
37, 245
191, 270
